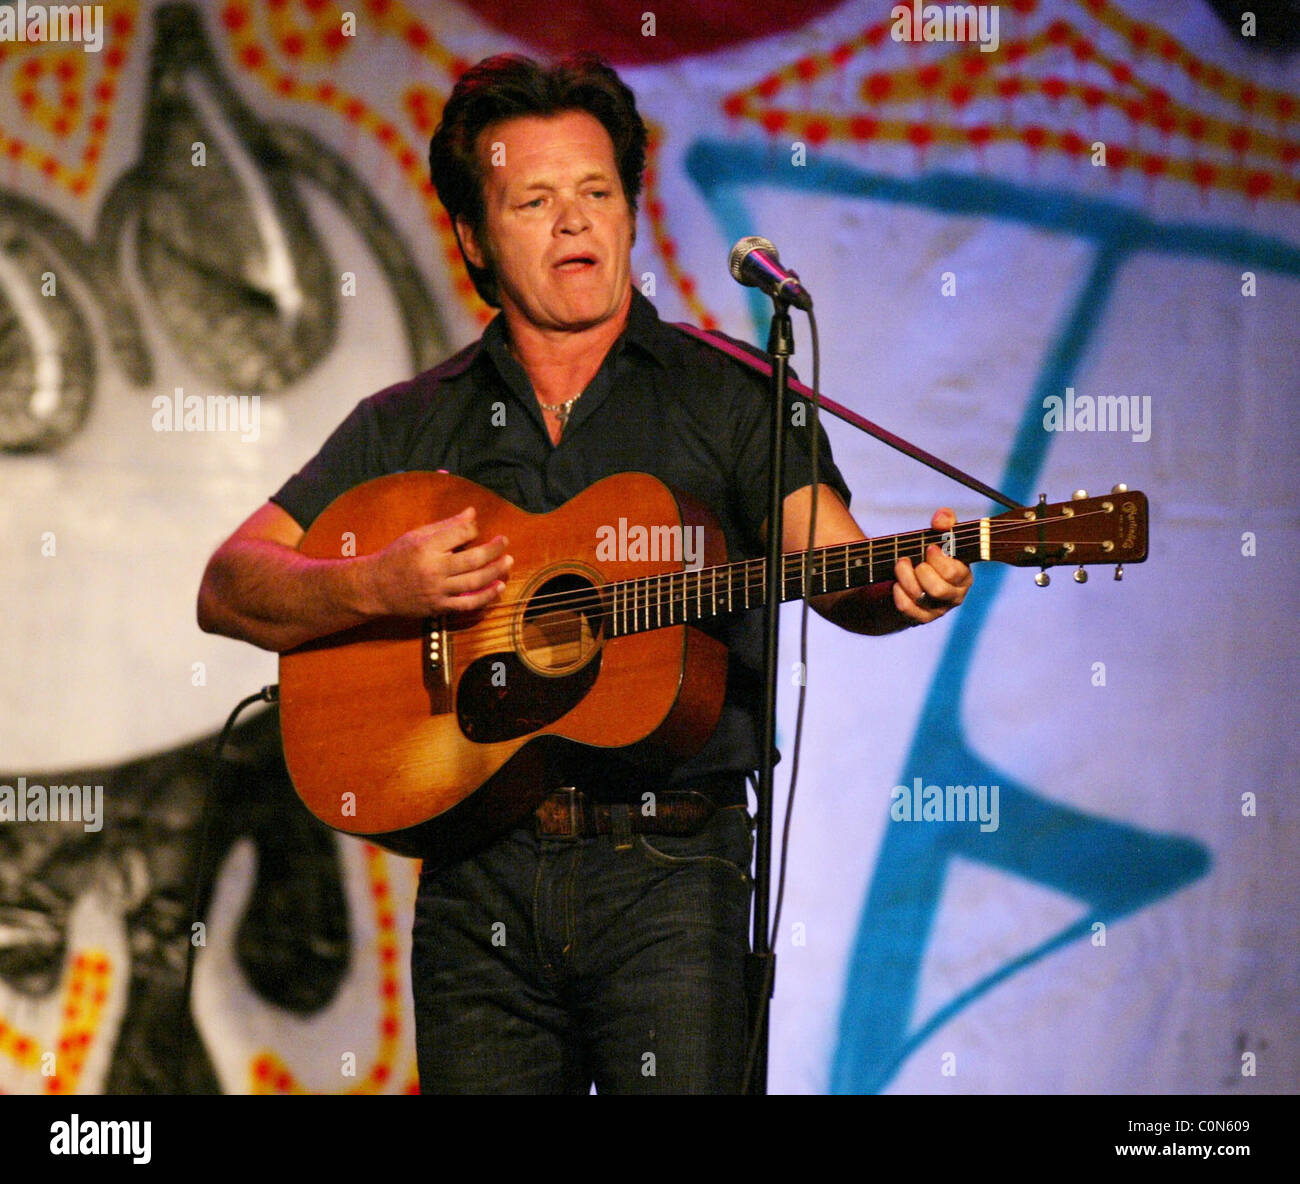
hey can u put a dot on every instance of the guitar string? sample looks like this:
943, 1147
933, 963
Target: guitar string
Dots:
963, 531
752, 570
598, 600
793, 560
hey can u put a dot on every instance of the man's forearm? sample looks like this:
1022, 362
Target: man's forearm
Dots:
276, 598
870, 610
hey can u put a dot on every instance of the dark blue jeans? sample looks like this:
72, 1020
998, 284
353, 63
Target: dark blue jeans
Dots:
543, 965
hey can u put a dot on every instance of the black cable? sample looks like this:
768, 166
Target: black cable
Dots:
813, 462
268, 694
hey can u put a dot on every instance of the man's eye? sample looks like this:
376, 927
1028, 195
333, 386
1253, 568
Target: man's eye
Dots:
535, 204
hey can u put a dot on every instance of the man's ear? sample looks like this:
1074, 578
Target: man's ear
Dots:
469, 244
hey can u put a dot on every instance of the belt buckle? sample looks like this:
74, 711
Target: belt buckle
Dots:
574, 811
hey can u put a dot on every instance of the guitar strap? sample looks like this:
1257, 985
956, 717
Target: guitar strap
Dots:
756, 362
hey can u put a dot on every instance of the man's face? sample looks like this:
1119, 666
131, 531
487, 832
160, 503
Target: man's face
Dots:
558, 230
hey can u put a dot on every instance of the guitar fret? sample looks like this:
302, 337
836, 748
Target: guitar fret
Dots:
627, 606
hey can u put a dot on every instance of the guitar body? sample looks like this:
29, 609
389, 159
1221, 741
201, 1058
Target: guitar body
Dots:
431, 737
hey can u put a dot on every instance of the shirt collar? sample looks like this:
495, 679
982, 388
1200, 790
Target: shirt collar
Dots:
644, 330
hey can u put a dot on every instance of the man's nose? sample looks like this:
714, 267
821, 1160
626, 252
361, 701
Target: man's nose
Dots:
571, 217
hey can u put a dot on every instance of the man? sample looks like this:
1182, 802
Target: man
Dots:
602, 943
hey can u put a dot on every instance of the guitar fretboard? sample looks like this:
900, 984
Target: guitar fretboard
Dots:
684, 597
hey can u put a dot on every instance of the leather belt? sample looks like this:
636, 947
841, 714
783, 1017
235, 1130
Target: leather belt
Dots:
568, 812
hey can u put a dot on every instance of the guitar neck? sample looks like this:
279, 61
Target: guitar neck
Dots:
685, 597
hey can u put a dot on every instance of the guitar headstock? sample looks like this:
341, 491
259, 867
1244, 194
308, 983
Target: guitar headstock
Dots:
1085, 530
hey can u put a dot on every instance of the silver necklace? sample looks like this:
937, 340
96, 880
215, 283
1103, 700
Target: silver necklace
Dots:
562, 411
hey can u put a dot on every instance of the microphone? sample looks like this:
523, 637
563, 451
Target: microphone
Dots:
755, 263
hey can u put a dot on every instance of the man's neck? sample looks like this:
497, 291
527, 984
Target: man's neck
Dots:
560, 363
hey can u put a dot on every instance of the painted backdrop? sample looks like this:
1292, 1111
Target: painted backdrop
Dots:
1063, 252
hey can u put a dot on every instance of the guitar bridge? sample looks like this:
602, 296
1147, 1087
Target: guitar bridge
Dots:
437, 665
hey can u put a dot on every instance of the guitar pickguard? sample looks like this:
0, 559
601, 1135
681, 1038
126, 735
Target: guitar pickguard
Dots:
500, 698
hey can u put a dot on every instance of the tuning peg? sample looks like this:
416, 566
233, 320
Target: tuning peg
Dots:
1080, 576
1119, 571
1042, 579
1120, 488
1079, 494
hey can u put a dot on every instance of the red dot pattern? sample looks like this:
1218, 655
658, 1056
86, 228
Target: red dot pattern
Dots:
269, 1073
1049, 64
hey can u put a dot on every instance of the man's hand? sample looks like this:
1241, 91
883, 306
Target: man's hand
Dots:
259, 588
422, 573
925, 592
889, 605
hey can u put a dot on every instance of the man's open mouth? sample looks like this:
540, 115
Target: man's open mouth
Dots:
576, 263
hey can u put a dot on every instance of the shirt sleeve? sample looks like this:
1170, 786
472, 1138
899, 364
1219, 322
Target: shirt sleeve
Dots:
352, 455
752, 417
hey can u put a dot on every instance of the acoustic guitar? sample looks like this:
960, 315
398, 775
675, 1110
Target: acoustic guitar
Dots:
430, 737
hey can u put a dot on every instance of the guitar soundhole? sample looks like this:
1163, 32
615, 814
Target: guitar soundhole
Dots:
562, 625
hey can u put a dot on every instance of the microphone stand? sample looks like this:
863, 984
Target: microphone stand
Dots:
760, 966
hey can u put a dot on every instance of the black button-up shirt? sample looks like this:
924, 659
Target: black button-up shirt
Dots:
662, 403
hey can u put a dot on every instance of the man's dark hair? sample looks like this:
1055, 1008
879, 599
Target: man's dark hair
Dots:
508, 86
